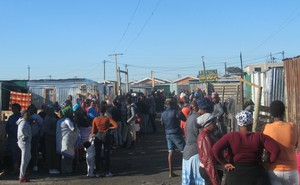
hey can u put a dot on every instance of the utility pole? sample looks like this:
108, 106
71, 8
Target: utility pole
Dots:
117, 74
126, 79
204, 67
104, 78
119, 82
242, 83
28, 72
282, 55
152, 78
225, 63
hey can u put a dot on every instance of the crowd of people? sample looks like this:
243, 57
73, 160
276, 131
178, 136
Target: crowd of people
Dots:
59, 137
211, 156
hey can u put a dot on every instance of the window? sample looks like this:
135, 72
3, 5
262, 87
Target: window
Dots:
49, 96
257, 69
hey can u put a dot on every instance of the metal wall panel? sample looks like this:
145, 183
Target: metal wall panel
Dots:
37, 96
292, 81
277, 85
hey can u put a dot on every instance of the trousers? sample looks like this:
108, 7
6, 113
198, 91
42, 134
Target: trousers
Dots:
25, 156
90, 162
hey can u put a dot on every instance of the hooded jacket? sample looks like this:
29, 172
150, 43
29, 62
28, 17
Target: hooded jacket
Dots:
24, 131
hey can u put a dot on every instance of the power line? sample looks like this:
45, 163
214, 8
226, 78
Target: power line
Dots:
144, 26
128, 25
283, 25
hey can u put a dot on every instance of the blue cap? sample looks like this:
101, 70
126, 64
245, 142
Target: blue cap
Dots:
205, 104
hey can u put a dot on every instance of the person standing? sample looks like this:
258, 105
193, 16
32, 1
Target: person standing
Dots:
100, 130
36, 123
185, 110
50, 140
152, 111
191, 161
2, 146
218, 112
171, 120
11, 129
208, 166
284, 170
245, 149
92, 112
117, 117
143, 112
89, 147
24, 143
66, 137
131, 117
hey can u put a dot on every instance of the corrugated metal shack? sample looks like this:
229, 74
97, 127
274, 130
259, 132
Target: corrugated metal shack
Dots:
292, 81
50, 91
7, 87
272, 82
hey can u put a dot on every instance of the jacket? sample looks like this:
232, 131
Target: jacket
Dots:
24, 131
206, 156
36, 123
170, 118
131, 113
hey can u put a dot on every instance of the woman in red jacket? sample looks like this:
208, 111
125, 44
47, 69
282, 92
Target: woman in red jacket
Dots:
208, 165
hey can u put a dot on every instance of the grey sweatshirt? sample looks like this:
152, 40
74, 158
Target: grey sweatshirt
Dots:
24, 131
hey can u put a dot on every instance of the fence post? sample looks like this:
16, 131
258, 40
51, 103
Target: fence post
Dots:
256, 109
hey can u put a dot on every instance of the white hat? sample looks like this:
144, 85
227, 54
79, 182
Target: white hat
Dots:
205, 119
244, 118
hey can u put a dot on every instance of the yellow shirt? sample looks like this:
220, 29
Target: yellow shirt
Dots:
286, 135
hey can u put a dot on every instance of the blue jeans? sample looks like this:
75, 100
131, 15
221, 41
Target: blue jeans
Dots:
284, 177
175, 140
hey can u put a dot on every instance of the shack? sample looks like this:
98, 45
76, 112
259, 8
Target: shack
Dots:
58, 90
8, 86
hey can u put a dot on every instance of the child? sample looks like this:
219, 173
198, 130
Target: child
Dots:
90, 157
137, 128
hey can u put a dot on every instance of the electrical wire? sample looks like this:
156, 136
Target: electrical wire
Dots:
128, 25
282, 26
144, 26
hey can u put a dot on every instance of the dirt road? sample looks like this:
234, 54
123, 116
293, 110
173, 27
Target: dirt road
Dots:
145, 164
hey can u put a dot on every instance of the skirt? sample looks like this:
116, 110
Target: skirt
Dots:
190, 171
248, 174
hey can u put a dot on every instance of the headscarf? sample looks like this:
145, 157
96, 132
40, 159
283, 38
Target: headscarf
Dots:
206, 119
67, 112
214, 95
244, 118
205, 104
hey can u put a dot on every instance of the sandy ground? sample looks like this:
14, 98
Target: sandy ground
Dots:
145, 164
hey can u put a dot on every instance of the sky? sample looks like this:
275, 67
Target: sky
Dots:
71, 38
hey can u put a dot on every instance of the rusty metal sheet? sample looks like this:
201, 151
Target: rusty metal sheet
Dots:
292, 79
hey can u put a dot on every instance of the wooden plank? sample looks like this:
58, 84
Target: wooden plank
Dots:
249, 83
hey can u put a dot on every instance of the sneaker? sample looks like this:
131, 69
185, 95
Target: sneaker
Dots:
23, 179
109, 174
92, 175
35, 168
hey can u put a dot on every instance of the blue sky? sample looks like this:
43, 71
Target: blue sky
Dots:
71, 38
